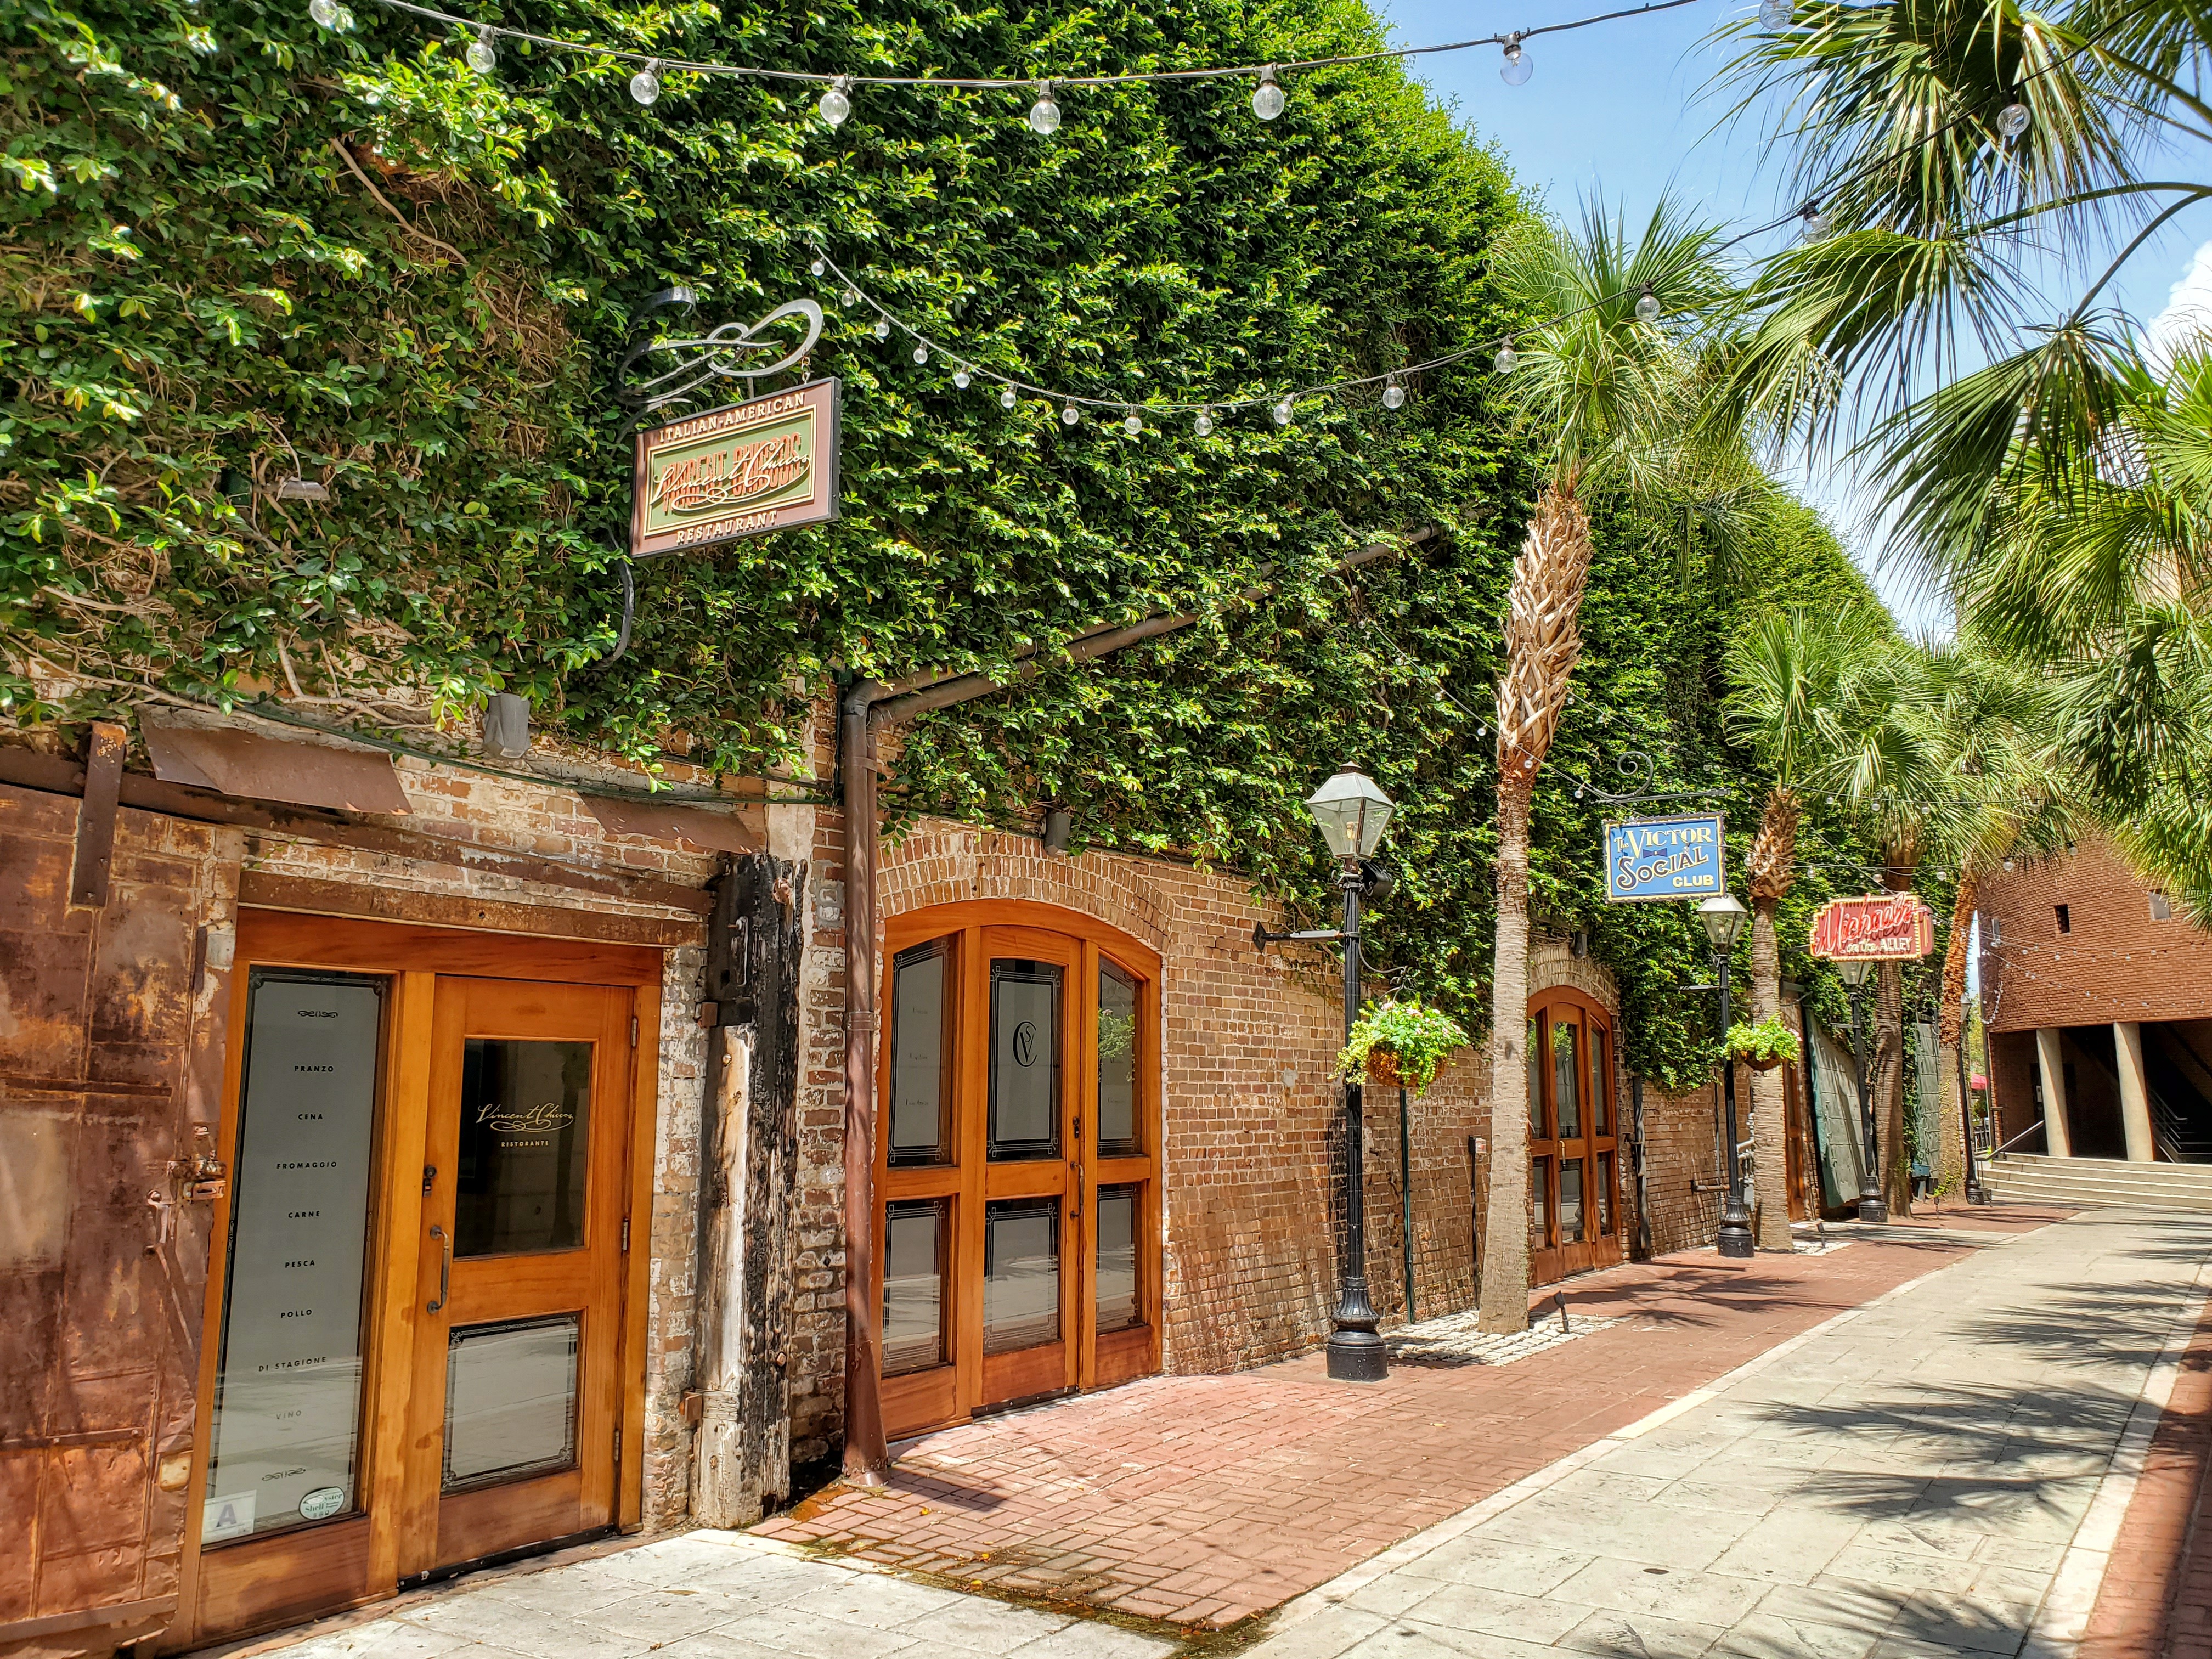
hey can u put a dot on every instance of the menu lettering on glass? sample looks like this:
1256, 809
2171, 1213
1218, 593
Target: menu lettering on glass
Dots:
287, 1421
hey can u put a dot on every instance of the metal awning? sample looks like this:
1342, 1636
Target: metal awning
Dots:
700, 828
236, 761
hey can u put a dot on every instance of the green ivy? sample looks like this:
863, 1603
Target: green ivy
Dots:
238, 248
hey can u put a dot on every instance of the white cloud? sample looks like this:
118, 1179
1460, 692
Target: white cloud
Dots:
2187, 310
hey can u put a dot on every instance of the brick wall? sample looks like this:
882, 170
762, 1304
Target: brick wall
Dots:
2116, 963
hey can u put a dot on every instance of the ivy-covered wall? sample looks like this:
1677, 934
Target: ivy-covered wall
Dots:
240, 249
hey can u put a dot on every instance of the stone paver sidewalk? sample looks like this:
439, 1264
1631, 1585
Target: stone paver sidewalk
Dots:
1205, 1500
1942, 1471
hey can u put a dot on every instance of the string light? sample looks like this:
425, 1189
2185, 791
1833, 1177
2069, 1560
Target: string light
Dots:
325, 12
1283, 411
1775, 15
482, 56
1647, 308
2012, 121
883, 328
818, 267
961, 378
644, 85
1044, 115
1069, 415
1394, 395
921, 353
1007, 397
1815, 222
1506, 357
1133, 424
1269, 97
1204, 424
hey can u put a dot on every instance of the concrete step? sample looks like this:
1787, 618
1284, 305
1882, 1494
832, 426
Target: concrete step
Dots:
2096, 1182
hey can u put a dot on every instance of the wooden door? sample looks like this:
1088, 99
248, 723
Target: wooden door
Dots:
1017, 1153
515, 1396
1574, 1177
376, 1409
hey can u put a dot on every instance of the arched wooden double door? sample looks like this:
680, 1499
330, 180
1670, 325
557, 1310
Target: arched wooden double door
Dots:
1574, 1145
1017, 1143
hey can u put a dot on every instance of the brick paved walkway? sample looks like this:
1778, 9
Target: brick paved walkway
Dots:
1205, 1499
2155, 1601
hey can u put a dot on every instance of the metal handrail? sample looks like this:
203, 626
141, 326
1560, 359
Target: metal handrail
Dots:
2036, 1127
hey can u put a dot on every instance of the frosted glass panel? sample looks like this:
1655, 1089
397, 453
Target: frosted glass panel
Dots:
510, 1400
1021, 1273
921, 1055
1571, 1200
1117, 1257
1117, 1061
525, 1122
287, 1420
914, 1286
1024, 1060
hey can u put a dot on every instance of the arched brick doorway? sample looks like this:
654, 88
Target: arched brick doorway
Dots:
1017, 1160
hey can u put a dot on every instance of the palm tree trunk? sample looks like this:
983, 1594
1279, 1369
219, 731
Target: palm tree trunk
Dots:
1769, 1098
1543, 641
1953, 1017
1504, 1303
1889, 1088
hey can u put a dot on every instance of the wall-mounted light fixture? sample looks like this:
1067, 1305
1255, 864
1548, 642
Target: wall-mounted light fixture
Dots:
507, 726
1059, 829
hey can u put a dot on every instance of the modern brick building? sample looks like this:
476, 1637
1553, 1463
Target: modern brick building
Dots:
2098, 998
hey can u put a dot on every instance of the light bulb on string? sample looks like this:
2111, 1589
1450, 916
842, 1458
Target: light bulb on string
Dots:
644, 85
1007, 398
325, 12
1815, 222
1068, 414
921, 353
1044, 115
835, 106
1283, 411
883, 329
1647, 305
2012, 121
961, 378
1132, 424
1506, 358
817, 267
482, 56
1394, 395
1204, 424
1775, 15
1518, 65
852, 296
1269, 97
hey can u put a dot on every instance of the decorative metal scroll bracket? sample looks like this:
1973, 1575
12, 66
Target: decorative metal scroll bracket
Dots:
1636, 764
655, 373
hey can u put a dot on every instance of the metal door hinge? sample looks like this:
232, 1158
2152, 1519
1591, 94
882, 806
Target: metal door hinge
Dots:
625, 1243
617, 1445
633, 1030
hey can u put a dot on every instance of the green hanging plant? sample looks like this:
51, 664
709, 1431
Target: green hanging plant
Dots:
1400, 1044
1765, 1045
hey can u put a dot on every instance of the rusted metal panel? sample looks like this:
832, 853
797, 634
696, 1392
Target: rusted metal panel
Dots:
241, 763
109, 1057
269, 891
690, 826
95, 818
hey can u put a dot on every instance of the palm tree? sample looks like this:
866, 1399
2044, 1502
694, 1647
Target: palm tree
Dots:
1613, 391
1791, 678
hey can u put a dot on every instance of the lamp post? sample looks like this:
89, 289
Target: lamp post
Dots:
1353, 813
1724, 918
1871, 1204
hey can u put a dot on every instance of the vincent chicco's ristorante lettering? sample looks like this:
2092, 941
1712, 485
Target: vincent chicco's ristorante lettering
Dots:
770, 464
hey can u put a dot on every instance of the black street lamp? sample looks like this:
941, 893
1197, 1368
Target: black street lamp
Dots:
1872, 1207
1353, 813
1724, 918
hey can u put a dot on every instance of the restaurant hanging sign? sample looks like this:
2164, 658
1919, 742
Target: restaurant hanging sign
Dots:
768, 464
1881, 928
1678, 858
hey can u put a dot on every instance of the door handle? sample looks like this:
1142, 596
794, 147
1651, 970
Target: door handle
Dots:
444, 1268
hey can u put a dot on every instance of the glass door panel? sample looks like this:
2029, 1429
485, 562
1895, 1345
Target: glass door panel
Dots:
285, 1431
914, 1237
1025, 1059
921, 1044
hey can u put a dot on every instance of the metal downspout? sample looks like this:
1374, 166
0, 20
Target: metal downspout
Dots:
866, 1457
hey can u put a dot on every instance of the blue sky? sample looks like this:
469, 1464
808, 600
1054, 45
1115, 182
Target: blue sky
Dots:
1622, 110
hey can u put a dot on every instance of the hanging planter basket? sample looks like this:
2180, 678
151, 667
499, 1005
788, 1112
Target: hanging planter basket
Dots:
1383, 1069
1767, 1064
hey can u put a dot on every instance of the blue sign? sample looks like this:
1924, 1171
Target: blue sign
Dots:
1665, 858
